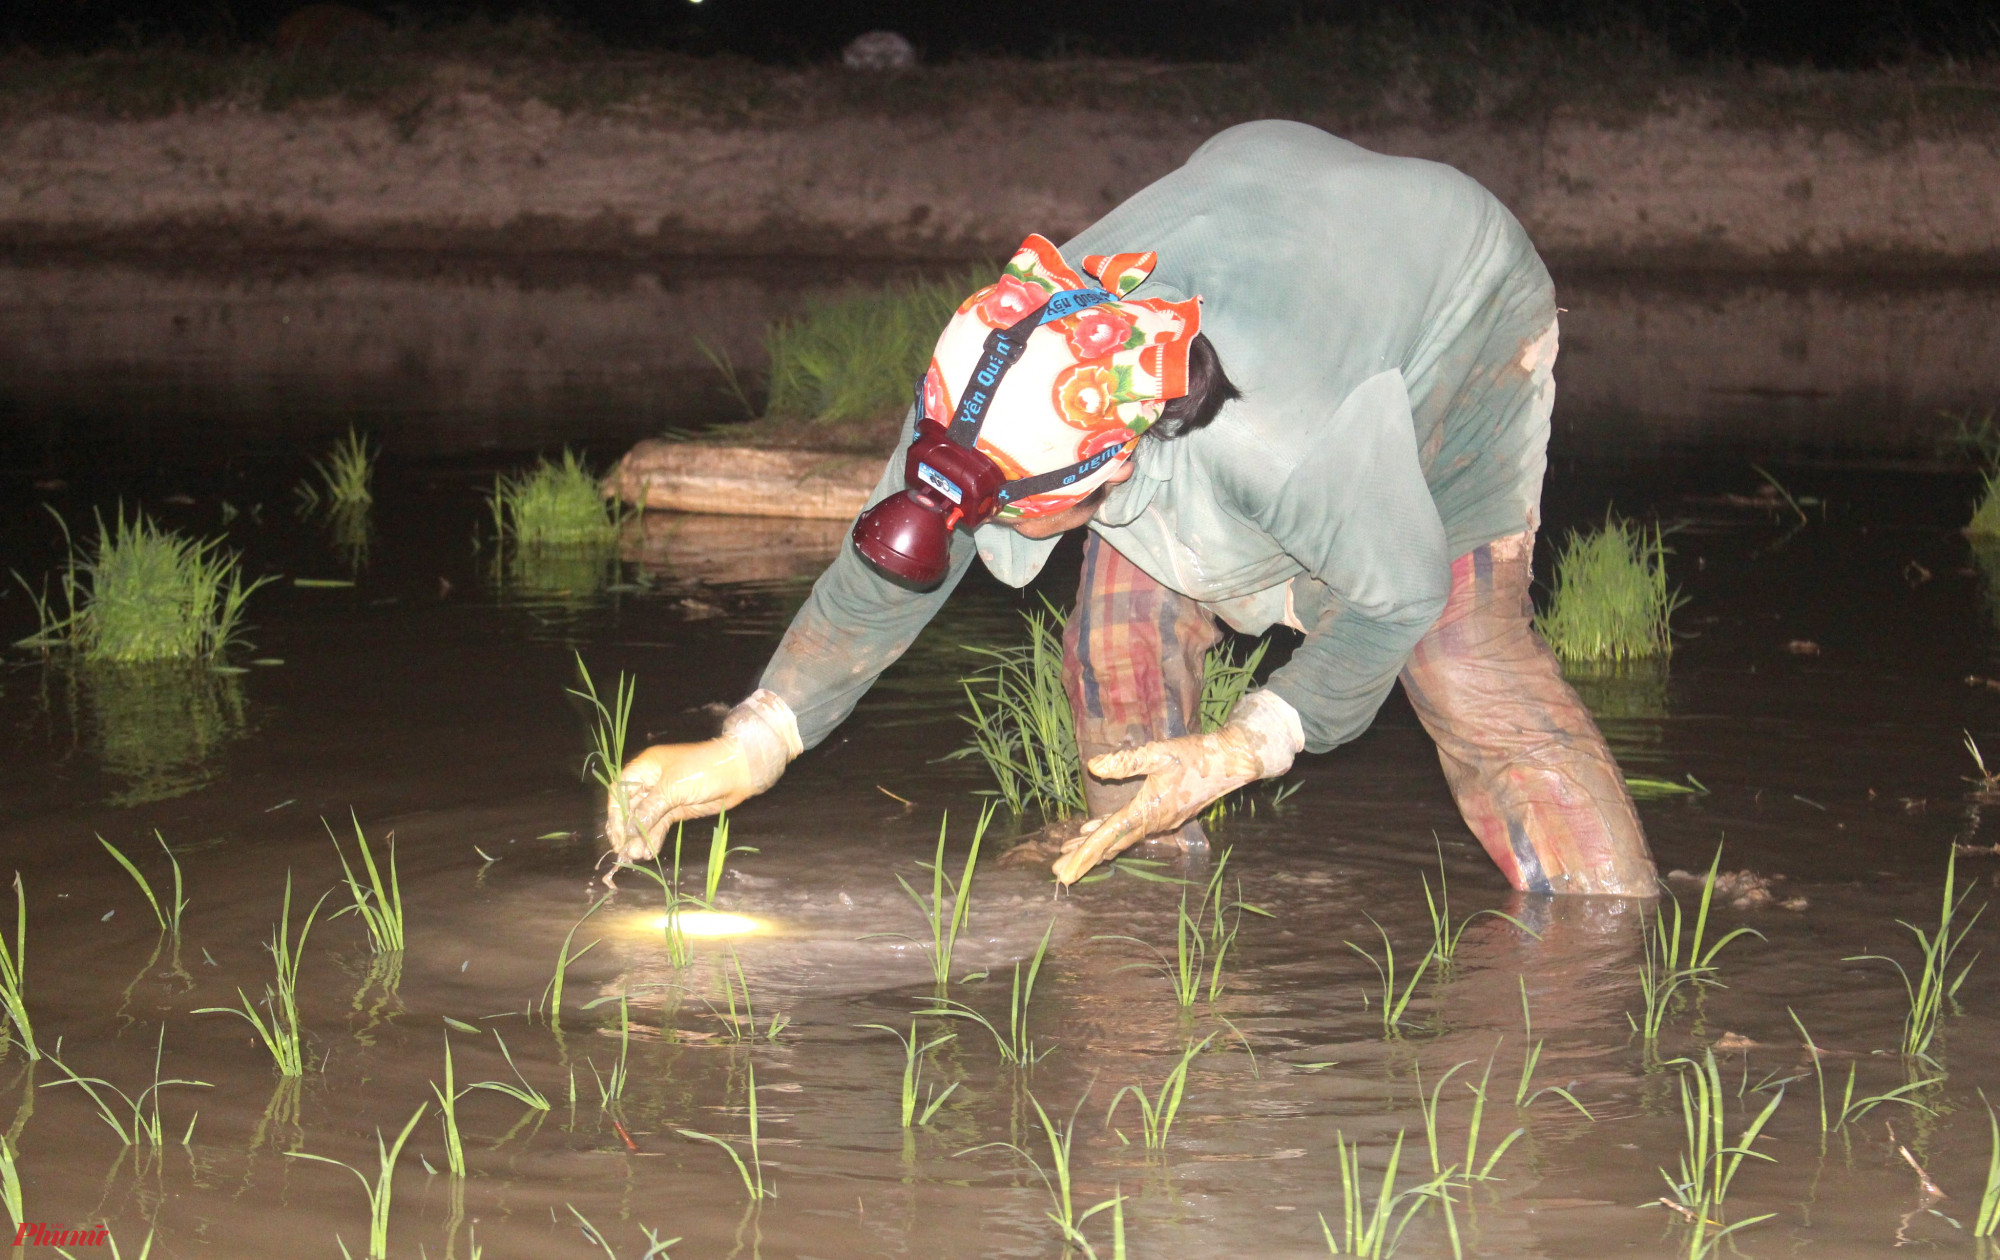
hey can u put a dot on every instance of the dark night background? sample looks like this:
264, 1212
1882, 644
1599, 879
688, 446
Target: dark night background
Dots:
1826, 33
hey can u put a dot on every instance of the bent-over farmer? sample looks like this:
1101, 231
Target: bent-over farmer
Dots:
1293, 382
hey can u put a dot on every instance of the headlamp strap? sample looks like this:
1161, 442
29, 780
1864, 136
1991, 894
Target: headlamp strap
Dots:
1004, 347
1042, 483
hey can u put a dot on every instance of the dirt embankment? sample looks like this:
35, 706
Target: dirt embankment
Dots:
472, 172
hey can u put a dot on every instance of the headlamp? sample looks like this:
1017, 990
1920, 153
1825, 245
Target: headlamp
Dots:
907, 536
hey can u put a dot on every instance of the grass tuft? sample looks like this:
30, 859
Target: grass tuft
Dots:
946, 916
1016, 1046
1610, 601
1156, 1114
913, 1072
1985, 522
552, 505
1933, 986
1708, 1165
143, 1129
753, 1172
142, 594
378, 906
346, 476
380, 1189
1061, 1143
1395, 997
14, 977
1022, 726
856, 356
282, 1034
1675, 960
610, 724
169, 916
552, 993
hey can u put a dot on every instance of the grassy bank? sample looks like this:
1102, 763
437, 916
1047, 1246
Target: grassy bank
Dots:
1373, 74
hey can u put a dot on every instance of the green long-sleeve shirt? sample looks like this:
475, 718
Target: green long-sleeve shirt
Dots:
1391, 330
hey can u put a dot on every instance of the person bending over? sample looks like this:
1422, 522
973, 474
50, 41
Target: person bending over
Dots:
1292, 383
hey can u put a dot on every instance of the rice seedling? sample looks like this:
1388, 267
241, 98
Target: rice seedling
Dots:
1395, 997
1156, 1114
1444, 933
1609, 600
1022, 726
552, 505
1224, 681
1522, 1098
1061, 1142
448, 1095
611, 1086
718, 857
380, 1189
853, 356
14, 977
753, 1172
1471, 1169
680, 950
1017, 1046
913, 1071
525, 1094
1202, 939
346, 476
1708, 1166
655, 1245
378, 906
169, 916
1933, 986
10, 1183
552, 993
742, 1026
143, 1128
946, 918
1985, 1225
1366, 1230
1985, 522
1851, 1108
609, 728
1674, 961
281, 1035
143, 594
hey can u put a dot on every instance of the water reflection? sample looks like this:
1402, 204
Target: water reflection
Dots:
567, 578
160, 728
686, 547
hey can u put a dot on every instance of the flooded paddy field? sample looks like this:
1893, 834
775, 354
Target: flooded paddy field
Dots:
1818, 695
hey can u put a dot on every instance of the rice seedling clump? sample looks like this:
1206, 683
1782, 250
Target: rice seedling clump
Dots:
144, 594
346, 476
853, 357
1985, 523
1610, 601
552, 505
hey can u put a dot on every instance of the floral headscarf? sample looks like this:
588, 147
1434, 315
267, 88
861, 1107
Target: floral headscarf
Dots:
1086, 382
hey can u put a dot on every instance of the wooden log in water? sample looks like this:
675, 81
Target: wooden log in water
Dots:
742, 480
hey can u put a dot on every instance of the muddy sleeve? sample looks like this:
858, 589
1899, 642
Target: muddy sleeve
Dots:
854, 625
1353, 509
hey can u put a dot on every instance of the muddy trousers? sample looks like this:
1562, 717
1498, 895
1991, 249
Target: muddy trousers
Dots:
1524, 760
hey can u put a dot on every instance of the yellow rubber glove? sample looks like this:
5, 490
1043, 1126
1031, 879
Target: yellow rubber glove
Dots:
669, 783
1185, 776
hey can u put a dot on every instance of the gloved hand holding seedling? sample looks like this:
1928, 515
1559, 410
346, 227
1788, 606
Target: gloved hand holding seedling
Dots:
669, 783
1185, 776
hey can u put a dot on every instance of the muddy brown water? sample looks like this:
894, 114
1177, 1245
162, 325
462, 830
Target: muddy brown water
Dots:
428, 699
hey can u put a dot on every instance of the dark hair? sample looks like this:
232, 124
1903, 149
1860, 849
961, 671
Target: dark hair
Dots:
1208, 389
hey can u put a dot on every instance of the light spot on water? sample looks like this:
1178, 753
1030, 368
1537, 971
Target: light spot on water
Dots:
711, 923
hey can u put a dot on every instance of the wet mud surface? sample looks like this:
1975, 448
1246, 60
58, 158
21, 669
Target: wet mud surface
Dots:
1818, 695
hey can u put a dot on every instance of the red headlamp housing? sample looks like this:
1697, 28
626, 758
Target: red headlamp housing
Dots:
907, 536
